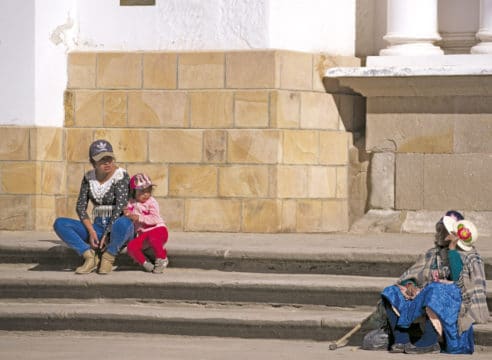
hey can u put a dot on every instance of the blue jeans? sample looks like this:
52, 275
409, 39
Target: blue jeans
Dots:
76, 236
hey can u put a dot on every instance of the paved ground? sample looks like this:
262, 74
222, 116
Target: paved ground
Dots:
73, 345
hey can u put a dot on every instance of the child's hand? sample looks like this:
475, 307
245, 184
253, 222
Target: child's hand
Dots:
129, 214
132, 217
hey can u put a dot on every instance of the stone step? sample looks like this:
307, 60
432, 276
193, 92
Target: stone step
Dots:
244, 320
198, 318
272, 288
386, 255
26, 281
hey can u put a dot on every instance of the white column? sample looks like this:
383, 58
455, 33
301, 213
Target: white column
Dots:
411, 28
484, 33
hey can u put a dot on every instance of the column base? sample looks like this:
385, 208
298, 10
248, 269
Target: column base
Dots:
413, 49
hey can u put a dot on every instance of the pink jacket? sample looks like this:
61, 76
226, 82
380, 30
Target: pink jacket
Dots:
148, 215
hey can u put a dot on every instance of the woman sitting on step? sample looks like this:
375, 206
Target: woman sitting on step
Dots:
107, 187
441, 295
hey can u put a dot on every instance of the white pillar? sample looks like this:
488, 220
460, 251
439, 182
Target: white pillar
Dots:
484, 33
411, 28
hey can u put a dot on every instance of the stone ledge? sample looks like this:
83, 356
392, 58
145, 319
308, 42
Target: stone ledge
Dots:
415, 222
377, 82
443, 75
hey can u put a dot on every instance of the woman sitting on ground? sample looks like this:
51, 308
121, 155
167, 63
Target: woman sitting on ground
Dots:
443, 294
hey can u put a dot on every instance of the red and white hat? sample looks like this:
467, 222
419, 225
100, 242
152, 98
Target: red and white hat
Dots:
140, 181
465, 230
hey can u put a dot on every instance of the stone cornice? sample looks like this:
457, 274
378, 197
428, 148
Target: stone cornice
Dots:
441, 75
410, 81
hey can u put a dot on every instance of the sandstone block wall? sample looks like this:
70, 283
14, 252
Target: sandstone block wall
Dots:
441, 147
236, 141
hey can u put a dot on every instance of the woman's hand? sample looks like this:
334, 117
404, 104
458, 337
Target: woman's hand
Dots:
103, 243
453, 240
93, 240
409, 291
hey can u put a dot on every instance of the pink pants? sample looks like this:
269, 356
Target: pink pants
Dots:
155, 239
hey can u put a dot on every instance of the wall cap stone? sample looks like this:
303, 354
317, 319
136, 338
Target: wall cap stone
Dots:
415, 222
414, 76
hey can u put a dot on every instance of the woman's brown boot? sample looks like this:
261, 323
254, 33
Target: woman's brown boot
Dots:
107, 261
90, 262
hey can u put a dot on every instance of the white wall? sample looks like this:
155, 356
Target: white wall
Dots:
313, 25
36, 35
304, 25
17, 62
33, 67
54, 32
173, 25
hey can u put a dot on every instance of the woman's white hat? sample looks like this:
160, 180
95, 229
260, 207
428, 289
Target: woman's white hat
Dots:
464, 229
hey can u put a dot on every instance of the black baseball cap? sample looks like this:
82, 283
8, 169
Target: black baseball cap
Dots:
100, 149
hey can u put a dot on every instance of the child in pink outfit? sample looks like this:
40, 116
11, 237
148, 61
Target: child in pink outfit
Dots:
151, 230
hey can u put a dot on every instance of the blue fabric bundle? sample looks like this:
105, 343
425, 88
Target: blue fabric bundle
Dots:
445, 301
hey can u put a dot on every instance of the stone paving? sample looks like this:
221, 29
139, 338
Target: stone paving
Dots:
75, 346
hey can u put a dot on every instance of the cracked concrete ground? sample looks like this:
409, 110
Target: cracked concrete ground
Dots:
68, 345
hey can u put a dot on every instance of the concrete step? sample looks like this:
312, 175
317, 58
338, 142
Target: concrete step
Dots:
27, 281
386, 255
243, 320
294, 287
247, 320
24, 281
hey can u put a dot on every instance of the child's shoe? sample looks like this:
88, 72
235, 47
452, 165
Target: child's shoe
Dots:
160, 265
148, 266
